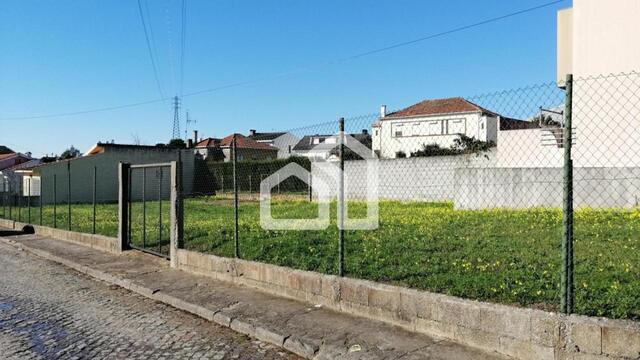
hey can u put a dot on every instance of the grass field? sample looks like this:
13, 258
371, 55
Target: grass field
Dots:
505, 256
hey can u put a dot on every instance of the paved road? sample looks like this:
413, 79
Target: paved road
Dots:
49, 311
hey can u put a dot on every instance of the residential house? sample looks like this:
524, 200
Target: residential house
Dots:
595, 43
10, 159
247, 149
283, 141
439, 122
323, 147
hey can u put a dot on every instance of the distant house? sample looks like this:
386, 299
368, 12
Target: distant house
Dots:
248, 149
439, 122
322, 147
283, 141
8, 160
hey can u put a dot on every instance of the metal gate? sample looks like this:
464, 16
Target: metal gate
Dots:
150, 208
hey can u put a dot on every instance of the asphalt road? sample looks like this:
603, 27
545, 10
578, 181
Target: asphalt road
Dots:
49, 311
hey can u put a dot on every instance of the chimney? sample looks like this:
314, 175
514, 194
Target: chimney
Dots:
252, 132
189, 143
383, 111
195, 137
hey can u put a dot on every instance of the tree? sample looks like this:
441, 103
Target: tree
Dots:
546, 121
177, 144
70, 153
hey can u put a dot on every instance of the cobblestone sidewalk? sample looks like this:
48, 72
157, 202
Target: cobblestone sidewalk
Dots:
49, 311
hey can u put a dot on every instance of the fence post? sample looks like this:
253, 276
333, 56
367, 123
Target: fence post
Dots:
55, 202
29, 200
123, 205
177, 214
95, 181
69, 195
9, 197
566, 304
309, 184
144, 207
4, 215
236, 238
41, 196
20, 191
341, 200
160, 212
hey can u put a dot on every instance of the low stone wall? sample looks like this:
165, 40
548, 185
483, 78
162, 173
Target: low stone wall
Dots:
99, 242
517, 332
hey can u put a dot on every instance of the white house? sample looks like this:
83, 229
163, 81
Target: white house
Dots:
323, 147
283, 141
439, 122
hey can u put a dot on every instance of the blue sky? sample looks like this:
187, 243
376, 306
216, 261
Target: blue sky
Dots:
61, 56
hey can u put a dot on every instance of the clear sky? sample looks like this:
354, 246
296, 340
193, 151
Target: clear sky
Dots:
66, 55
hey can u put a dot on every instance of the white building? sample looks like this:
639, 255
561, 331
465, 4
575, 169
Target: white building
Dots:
437, 122
283, 141
598, 41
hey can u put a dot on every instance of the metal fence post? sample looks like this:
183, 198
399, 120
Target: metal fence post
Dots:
177, 214
55, 202
160, 212
20, 191
41, 196
29, 200
123, 205
9, 198
341, 200
69, 195
95, 174
309, 186
144, 207
235, 199
566, 304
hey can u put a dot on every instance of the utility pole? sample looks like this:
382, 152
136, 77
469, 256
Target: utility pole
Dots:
176, 118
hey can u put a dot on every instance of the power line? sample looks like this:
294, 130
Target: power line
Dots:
149, 49
305, 69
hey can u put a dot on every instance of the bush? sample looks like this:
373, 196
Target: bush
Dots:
461, 146
251, 172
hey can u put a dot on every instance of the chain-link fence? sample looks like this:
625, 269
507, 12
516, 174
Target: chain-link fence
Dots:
527, 196
67, 195
482, 197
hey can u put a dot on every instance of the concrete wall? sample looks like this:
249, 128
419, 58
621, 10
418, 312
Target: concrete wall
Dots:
419, 179
485, 182
107, 179
99, 242
485, 188
516, 332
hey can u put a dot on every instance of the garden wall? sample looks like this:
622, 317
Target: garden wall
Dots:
94, 241
475, 182
517, 332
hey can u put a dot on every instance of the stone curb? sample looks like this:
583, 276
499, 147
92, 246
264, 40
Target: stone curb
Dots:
294, 344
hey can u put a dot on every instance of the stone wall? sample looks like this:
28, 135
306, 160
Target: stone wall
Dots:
511, 331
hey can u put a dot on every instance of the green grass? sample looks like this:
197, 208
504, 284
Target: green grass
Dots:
504, 256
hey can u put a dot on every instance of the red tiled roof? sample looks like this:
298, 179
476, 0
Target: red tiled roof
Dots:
243, 142
438, 107
208, 142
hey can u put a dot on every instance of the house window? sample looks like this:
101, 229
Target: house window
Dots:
376, 132
434, 128
415, 131
456, 126
397, 130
